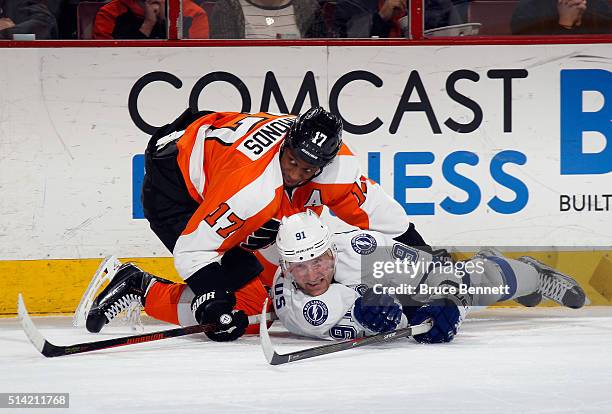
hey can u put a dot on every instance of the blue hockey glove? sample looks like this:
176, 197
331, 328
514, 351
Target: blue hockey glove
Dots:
446, 318
377, 312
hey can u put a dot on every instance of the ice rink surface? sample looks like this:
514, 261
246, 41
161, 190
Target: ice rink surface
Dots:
542, 360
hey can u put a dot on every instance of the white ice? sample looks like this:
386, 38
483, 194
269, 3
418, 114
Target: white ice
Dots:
542, 360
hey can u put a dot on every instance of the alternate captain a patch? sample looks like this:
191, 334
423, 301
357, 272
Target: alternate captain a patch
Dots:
315, 312
363, 244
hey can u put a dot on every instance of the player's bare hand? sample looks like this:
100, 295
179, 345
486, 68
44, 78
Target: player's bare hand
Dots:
392, 8
6, 23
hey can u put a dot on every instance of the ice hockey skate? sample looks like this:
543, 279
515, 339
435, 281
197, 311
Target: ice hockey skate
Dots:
531, 300
125, 292
556, 286
104, 274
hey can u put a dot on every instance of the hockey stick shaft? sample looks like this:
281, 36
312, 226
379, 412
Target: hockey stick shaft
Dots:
50, 350
279, 359
351, 344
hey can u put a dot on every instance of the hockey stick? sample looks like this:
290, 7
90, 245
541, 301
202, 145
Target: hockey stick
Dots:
50, 350
279, 359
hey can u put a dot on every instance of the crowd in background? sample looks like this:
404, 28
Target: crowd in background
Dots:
289, 19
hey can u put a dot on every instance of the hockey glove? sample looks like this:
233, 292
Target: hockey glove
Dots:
237, 268
216, 307
446, 318
377, 312
263, 236
412, 238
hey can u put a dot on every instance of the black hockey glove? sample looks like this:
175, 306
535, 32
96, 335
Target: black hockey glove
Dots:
411, 237
263, 236
237, 268
377, 312
216, 307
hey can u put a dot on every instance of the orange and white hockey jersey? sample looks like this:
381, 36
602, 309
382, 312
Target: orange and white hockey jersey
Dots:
230, 163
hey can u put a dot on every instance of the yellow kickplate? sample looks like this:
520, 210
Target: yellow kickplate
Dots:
601, 280
56, 286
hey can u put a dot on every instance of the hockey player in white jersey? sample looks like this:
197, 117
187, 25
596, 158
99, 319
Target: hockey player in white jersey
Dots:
318, 291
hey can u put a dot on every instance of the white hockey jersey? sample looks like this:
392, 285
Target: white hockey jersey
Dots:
330, 315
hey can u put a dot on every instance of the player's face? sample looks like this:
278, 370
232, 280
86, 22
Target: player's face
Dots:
295, 171
314, 276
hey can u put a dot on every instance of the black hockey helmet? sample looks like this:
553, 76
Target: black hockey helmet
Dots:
315, 136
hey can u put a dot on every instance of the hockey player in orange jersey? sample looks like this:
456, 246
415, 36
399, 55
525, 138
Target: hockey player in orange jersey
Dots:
215, 189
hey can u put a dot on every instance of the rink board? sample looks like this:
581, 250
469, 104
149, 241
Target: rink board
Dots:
56, 286
482, 145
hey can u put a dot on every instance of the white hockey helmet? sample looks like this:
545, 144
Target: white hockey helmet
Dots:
302, 237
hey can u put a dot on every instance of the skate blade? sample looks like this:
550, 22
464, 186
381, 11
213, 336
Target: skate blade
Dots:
105, 273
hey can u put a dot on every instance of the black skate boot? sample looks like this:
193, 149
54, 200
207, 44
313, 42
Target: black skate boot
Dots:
556, 286
129, 286
531, 300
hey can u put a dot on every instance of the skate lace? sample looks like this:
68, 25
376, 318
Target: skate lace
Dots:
122, 304
553, 288
132, 317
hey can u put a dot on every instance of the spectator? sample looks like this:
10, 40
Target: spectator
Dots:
440, 13
267, 19
551, 17
195, 21
26, 16
388, 18
462, 8
146, 19
66, 16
